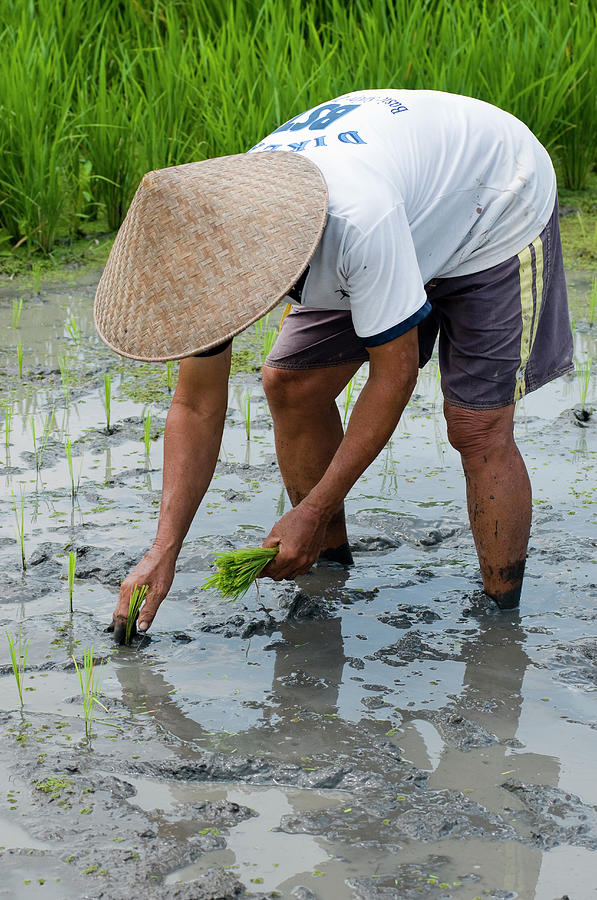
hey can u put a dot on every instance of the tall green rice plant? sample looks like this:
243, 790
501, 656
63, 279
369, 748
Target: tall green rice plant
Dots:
20, 359
38, 132
18, 659
90, 685
111, 116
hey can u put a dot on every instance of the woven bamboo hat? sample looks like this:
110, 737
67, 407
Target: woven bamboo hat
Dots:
206, 249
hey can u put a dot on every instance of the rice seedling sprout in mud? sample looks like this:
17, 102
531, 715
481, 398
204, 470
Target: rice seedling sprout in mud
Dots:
18, 659
20, 359
108, 400
74, 485
247, 415
348, 392
89, 683
64, 376
238, 569
137, 597
72, 565
593, 302
72, 329
147, 433
7, 427
170, 375
584, 373
17, 309
40, 448
269, 339
19, 511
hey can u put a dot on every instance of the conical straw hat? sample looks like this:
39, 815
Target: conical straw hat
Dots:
207, 248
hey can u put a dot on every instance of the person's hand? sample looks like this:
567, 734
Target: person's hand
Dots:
299, 535
156, 570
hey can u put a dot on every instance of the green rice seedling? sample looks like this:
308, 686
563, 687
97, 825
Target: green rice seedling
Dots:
348, 392
247, 415
17, 309
89, 683
40, 448
72, 329
584, 374
170, 375
593, 302
262, 324
238, 569
7, 426
65, 378
136, 599
72, 565
107, 400
147, 433
20, 359
19, 511
18, 658
269, 339
74, 484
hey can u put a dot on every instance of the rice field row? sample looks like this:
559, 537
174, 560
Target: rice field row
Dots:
95, 94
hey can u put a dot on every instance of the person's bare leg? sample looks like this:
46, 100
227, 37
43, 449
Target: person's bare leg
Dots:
308, 431
498, 494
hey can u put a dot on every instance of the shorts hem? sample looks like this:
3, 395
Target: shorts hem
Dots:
315, 364
565, 370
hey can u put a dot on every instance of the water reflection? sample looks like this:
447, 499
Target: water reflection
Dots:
298, 719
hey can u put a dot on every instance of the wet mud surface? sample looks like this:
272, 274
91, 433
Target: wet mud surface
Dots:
375, 732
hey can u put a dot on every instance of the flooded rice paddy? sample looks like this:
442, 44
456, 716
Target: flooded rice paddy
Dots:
378, 732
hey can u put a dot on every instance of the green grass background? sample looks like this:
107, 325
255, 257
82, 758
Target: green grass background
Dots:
93, 94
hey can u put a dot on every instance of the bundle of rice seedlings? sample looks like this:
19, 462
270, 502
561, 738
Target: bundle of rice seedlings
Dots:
238, 569
135, 603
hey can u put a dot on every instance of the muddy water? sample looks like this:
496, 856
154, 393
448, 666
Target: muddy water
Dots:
381, 732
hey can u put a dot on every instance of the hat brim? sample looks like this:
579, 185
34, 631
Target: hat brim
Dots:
206, 249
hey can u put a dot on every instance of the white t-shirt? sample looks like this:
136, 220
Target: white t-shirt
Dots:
422, 184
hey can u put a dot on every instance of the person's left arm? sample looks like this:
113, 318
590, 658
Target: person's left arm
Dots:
392, 377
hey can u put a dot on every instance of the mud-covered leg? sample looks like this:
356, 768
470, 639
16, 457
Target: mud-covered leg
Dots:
498, 496
308, 431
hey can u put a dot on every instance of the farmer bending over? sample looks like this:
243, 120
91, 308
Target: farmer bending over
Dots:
385, 218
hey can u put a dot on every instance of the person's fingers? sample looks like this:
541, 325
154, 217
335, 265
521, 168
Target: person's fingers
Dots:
149, 609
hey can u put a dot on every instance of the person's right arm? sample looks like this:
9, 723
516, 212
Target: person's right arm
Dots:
191, 445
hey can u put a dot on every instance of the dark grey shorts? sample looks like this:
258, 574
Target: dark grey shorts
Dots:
502, 332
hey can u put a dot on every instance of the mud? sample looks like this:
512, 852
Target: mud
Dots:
381, 731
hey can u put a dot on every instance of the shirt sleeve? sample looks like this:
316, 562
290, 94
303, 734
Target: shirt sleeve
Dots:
387, 294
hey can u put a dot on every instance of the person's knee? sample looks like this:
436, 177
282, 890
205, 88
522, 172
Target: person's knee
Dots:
477, 434
287, 389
